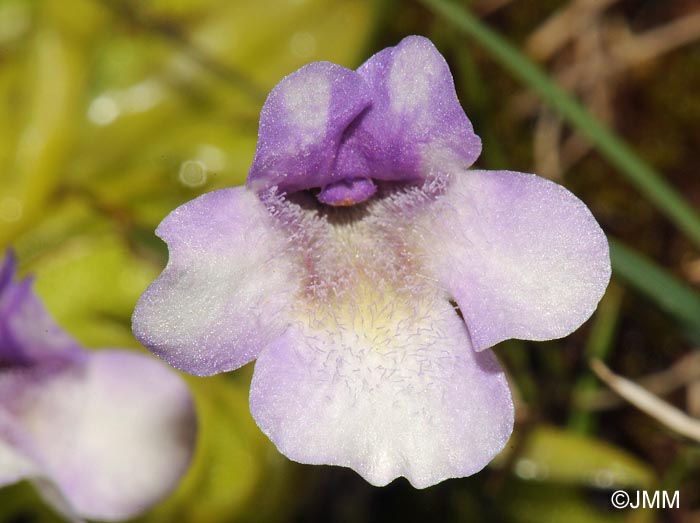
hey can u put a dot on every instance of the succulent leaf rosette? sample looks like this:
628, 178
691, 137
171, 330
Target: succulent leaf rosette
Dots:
338, 265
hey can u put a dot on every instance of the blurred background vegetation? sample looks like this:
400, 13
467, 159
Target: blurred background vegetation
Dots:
114, 112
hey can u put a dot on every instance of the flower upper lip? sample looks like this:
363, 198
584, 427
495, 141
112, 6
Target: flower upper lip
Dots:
325, 123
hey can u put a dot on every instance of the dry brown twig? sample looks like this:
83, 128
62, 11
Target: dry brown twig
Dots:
660, 410
602, 52
552, 154
684, 372
633, 51
563, 26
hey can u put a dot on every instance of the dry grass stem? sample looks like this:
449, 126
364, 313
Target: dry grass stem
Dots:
663, 412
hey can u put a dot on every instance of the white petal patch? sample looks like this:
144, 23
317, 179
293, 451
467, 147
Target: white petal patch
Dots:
307, 100
413, 72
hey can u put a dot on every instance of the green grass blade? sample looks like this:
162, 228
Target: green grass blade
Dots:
668, 292
599, 345
638, 172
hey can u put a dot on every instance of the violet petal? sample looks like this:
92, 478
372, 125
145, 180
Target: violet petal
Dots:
229, 280
522, 256
27, 332
416, 125
301, 125
423, 404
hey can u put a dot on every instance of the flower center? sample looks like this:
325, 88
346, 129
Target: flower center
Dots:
347, 192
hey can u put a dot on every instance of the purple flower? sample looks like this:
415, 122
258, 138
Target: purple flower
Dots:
102, 435
338, 264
